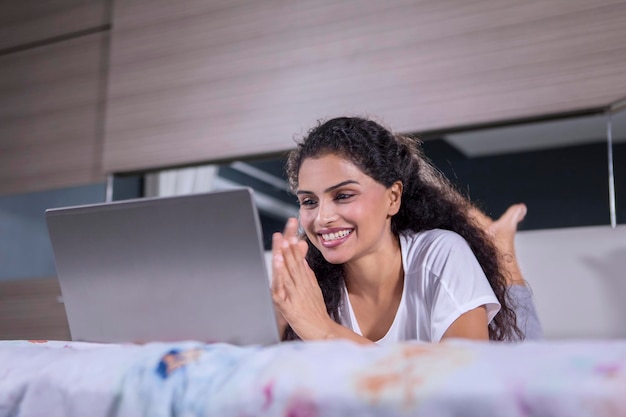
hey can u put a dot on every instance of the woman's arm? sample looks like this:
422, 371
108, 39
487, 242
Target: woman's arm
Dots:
470, 325
337, 331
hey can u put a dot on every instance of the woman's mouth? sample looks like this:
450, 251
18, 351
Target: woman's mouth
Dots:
332, 239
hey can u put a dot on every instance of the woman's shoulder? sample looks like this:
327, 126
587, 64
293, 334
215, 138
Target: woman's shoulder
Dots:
435, 245
433, 238
436, 250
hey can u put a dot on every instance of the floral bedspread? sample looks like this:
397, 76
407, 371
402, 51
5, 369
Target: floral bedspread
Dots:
458, 378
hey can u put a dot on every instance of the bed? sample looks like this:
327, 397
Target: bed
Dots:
334, 378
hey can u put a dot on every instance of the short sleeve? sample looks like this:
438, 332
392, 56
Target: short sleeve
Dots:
458, 283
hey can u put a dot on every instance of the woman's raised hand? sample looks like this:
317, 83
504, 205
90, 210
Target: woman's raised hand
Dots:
295, 291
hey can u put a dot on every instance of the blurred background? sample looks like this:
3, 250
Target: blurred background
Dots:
516, 101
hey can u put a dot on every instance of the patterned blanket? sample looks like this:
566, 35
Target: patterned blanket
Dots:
457, 378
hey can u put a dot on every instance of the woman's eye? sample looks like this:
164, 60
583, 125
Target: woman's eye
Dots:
343, 196
307, 202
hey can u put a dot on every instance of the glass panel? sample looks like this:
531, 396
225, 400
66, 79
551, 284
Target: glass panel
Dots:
558, 168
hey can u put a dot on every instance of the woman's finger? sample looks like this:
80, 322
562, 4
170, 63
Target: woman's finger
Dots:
290, 259
291, 228
297, 265
278, 267
303, 247
312, 280
276, 253
277, 239
291, 234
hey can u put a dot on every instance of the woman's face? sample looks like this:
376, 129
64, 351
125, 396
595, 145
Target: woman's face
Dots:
345, 213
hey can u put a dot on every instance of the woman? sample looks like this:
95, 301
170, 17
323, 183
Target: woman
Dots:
390, 251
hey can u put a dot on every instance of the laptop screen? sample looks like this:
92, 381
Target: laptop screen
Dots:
165, 269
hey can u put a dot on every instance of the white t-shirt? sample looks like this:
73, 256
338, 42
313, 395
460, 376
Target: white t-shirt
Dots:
442, 280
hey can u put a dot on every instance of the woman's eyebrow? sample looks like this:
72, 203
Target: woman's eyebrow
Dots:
331, 188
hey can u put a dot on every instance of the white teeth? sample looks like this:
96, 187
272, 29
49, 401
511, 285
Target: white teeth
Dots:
337, 235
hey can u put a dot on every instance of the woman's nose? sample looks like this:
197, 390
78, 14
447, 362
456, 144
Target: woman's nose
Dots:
326, 213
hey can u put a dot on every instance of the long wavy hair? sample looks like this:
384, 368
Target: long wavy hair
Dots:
429, 201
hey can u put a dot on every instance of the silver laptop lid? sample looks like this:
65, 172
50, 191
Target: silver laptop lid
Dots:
165, 269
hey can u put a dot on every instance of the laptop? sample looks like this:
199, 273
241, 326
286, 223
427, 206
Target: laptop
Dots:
165, 269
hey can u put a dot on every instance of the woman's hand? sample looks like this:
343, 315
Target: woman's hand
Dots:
295, 291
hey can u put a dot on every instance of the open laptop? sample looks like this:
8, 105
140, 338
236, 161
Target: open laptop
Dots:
165, 269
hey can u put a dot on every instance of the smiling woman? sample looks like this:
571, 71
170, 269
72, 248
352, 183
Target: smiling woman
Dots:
390, 250
336, 197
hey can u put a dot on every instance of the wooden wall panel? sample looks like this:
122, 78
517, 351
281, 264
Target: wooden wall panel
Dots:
25, 22
205, 80
51, 115
31, 309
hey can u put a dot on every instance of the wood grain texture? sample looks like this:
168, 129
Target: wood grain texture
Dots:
51, 115
31, 309
25, 22
206, 80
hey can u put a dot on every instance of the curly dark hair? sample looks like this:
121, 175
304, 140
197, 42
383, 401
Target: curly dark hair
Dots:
429, 201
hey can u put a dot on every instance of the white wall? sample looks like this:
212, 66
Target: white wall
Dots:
578, 276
